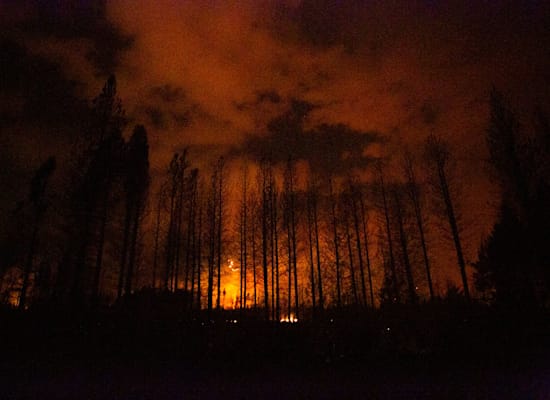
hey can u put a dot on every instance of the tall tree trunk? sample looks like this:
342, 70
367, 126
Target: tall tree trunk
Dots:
199, 261
170, 242
289, 268
404, 249
123, 255
212, 246
351, 266
133, 246
336, 243
178, 233
317, 253
241, 258
366, 242
245, 251
276, 249
157, 234
311, 260
415, 198
389, 237
254, 262
100, 246
220, 224
294, 251
454, 229
28, 263
272, 247
264, 247
353, 195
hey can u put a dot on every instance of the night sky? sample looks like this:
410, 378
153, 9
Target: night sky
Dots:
219, 76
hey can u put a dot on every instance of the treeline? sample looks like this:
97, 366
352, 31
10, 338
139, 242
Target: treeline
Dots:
66, 243
513, 267
296, 241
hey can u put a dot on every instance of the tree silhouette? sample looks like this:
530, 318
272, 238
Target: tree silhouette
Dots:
437, 155
414, 194
37, 200
519, 164
135, 185
391, 284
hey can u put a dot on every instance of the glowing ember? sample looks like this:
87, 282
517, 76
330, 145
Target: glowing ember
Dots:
231, 265
291, 319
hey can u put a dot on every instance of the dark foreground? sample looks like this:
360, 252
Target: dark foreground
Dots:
427, 352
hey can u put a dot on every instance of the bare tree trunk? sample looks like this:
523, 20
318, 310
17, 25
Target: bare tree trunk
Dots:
317, 248
414, 195
310, 246
171, 234
245, 249
220, 224
244, 238
212, 244
353, 194
272, 244
192, 248
264, 243
454, 229
404, 248
241, 257
199, 261
294, 251
157, 234
290, 210
276, 247
123, 255
254, 260
437, 154
366, 241
100, 245
28, 263
389, 236
351, 266
132, 249
289, 268
336, 243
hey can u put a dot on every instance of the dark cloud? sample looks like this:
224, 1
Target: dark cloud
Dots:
261, 98
168, 93
429, 112
161, 119
327, 148
67, 20
167, 107
269, 96
35, 90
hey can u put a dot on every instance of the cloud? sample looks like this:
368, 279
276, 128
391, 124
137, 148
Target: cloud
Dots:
227, 69
68, 28
327, 149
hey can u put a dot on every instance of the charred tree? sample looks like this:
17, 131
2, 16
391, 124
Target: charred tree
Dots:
386, 211
438, 155
413, 191
39, 184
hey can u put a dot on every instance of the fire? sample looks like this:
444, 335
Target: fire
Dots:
231, 265
230, 296
290, 319
231, 288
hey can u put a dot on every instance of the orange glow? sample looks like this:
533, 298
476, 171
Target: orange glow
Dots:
230, 286
290, 319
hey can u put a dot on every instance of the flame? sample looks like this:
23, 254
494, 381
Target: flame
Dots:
231, 265
231, 286
290, 319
